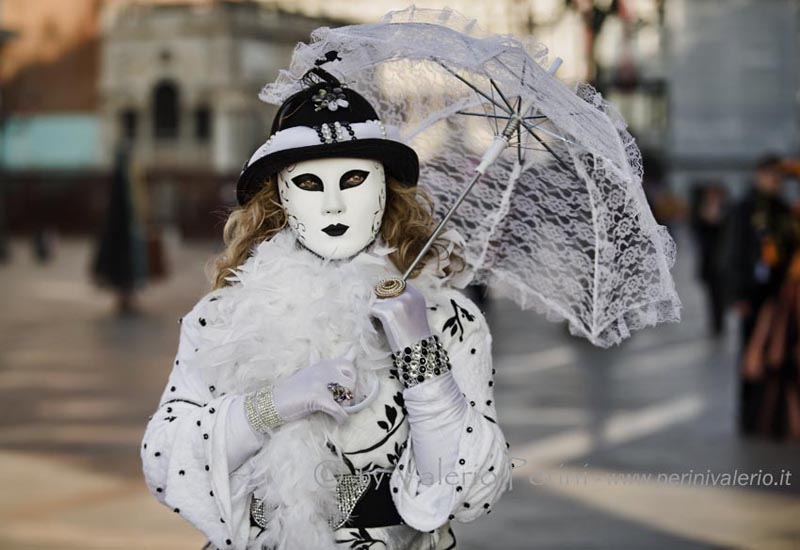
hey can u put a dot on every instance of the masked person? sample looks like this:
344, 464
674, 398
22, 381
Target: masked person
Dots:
303, 412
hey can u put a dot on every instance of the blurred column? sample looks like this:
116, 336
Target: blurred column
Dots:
232, 132
223, 146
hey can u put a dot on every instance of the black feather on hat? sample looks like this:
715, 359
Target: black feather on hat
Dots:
325, 119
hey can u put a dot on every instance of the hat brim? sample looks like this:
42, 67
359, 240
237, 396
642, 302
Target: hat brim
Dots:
399, 161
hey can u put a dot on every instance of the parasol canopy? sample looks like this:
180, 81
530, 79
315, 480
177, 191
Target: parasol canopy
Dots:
558, 221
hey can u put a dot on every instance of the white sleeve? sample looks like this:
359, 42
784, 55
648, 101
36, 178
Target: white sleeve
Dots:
243, 441
191, 446
482, 467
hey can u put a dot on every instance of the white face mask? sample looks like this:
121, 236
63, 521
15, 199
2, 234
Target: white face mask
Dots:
334, 205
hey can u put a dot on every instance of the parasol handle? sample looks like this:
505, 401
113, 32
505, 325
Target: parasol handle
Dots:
389, 288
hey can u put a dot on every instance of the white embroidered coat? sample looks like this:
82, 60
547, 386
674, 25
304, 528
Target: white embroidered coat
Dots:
286, 309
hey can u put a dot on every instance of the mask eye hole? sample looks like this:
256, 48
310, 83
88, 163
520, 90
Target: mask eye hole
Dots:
308, 182
353, 178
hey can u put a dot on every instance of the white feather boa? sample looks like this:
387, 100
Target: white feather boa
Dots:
287, 309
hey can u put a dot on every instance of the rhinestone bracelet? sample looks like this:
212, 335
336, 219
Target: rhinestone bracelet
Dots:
424, 360
260, 410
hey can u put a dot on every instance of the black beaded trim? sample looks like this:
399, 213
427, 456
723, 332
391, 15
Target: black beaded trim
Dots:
334, 132
318, 129
424, 360
349, 130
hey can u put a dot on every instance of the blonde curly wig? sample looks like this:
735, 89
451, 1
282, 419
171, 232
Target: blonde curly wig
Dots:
407, 224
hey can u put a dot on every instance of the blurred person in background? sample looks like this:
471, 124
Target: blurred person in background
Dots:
120, 261
759, 249
772, 356
44, 240
708, 217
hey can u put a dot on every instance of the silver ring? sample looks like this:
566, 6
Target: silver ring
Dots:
340, 393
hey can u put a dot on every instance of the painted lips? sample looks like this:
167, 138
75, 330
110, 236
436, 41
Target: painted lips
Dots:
334, 230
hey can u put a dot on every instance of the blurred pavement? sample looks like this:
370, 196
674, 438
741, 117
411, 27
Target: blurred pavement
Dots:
77, 385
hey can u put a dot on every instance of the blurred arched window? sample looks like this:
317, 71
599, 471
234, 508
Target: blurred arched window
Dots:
166, 110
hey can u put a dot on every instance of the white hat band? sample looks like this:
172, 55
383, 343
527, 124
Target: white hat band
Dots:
304, 136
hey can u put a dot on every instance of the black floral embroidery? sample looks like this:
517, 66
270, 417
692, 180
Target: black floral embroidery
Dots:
362, 540
394, 457
350, 466
453, 324
331, 447
391, 416
391, 427
368, 467
398, 398
347, 462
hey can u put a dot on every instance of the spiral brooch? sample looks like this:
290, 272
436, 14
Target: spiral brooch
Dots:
390, 288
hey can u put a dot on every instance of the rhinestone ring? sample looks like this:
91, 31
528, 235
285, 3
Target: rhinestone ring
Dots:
390, 288
340, 393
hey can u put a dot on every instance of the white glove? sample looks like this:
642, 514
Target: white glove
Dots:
436, 413
306, 391
436, 408
404, 318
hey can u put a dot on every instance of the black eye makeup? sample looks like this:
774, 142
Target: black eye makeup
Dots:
308, 182
353, 178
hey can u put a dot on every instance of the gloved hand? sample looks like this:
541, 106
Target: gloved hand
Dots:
306, 390
436, 408
404, 318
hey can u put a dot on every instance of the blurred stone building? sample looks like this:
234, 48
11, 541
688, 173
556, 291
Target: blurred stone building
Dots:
705, 85
181, 82
734, 81
177, 79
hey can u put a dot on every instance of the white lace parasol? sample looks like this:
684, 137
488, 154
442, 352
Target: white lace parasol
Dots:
559, 221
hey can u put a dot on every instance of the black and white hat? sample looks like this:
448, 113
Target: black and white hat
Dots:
325, 119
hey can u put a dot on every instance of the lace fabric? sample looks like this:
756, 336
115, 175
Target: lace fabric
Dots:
559, 222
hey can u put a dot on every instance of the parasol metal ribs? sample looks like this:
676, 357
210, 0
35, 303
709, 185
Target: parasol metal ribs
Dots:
392, 287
